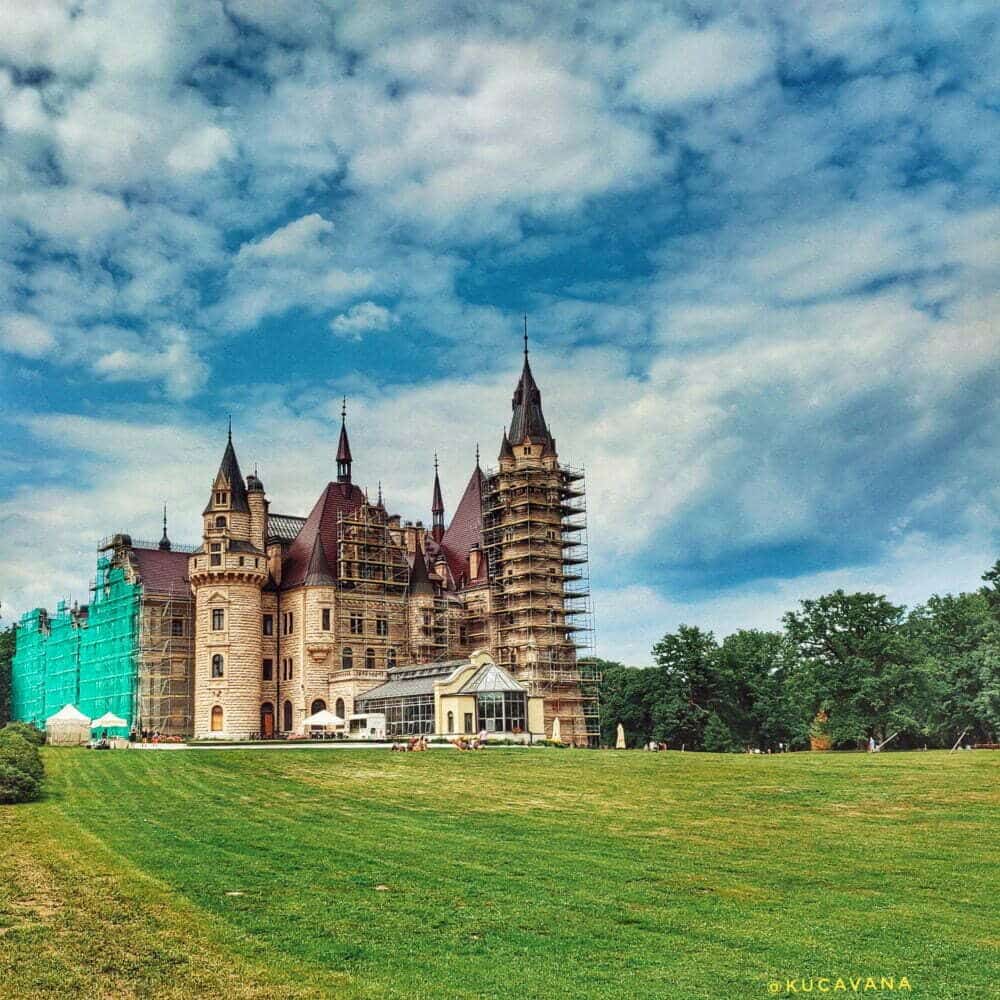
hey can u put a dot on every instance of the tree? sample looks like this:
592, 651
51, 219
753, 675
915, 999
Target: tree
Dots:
718, 738
686, 687
857, 664
6, 658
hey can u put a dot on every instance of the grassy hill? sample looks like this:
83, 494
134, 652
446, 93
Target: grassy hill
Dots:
529, 874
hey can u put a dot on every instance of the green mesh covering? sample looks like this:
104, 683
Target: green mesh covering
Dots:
84, 659
108, 647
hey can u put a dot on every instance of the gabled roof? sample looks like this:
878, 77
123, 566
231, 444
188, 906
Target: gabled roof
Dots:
163, 572
229, 473
527, 419
336, 498
284, 527
490, 677
466, 528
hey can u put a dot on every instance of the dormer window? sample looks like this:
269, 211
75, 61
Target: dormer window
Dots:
527, 451
220, 498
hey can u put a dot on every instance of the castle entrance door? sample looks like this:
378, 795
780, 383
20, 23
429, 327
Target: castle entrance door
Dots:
267, 721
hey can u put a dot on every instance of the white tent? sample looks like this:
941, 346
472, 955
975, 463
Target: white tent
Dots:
620, 742
108, 721
323, 719
68, 727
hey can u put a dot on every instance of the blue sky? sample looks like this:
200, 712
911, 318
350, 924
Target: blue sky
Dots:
757, 246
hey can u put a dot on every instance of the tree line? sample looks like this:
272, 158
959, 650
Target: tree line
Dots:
845, 667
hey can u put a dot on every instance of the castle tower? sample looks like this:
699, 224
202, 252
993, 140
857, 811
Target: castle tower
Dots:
423, 624
227, 574
532, 519
344, 459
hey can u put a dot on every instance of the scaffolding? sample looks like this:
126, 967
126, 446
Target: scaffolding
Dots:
373, 578
535, 541
28, 668
166, 651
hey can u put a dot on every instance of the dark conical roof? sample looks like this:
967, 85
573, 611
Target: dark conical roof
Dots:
344, 446
437, 501
466, 528
420, 581
318, 572
229, 474
505, 449
527, 419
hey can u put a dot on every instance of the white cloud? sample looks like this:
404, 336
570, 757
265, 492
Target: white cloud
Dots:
677, 65
25, 335
174, 365
200, 151
365, 317
298, 237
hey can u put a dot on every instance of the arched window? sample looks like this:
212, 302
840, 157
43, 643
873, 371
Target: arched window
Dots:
220, 521
390, 658
216, 718
286, 717
451, 722
339, 708
317, 706
347, 658
369, 659
218, 666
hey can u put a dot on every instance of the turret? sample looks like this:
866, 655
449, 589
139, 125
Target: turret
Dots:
257, 501
343, 448
437, 507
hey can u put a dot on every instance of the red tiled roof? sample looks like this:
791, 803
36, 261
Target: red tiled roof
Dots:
466, 528
163, 572
336, 498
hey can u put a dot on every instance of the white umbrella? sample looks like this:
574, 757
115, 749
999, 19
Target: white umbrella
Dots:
556, 734
323, 718
108, 721
620, 742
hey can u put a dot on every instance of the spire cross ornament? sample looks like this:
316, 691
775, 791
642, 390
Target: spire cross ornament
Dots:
343, 411
526, 336
230, 427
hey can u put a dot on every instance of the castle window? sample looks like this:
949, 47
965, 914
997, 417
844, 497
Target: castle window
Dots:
381, 625
218, 665
317, 706
176, 626
357, 625
347, 658
326, 619
220, 498
339, 709
216, 718
267, 624
527, 451
390, 658
268, 670
288, 623
451, 722
218, 619
220, 521
241, 560
369, 659
216, 554
286, 716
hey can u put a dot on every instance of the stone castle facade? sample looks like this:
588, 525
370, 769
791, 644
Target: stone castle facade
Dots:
293, 615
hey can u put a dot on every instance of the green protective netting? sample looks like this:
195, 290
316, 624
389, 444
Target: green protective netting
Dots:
87, 661
109, 646
28, 669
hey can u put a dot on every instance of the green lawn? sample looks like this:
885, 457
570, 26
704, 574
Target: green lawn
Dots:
529, 874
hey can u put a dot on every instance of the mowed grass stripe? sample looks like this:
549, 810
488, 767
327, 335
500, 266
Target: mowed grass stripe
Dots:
538, 873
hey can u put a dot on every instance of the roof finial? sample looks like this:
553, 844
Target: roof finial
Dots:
477, 454
343, 411
525, 336
435, 463
230, 428
380, 492
165, 541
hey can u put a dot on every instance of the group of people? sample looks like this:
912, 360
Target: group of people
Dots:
415, 744
470, 742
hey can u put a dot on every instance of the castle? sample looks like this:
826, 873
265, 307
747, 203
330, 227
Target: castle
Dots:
275, 617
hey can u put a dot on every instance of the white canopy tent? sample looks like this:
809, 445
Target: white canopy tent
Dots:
109, 721
68, 727
322, 720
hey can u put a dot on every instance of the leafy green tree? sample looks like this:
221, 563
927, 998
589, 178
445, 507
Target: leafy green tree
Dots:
6, 658
686, 685
718, 737
857, 663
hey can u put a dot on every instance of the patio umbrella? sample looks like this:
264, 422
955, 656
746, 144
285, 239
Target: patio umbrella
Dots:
556, 734
620, 742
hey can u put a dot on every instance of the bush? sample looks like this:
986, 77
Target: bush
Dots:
16, 786
18, 753
36, 737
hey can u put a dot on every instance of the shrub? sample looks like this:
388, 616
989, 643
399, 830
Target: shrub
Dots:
18, 753
16, 786
36, 737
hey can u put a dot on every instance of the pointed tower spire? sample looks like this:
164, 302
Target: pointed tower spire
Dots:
527, 419
164, 541
228, 483
420, 581
343, 448
437, 507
